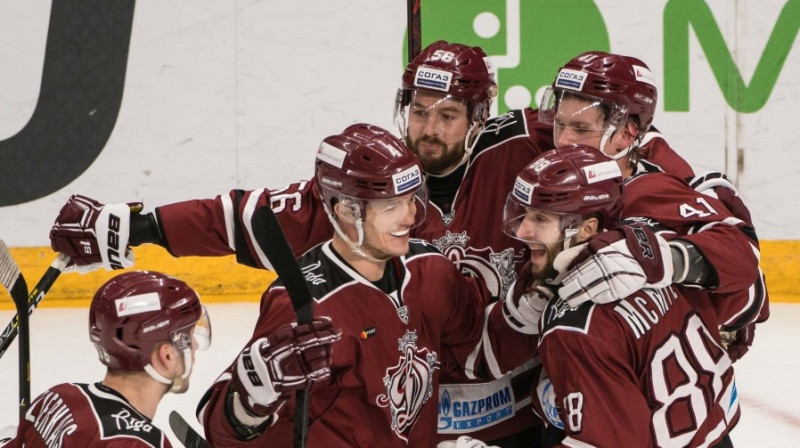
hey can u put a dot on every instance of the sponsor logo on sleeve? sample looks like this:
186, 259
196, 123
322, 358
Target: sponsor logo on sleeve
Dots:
433, 79
137, 304
601, 171
522, 191
331, 155
570, 79
407, 180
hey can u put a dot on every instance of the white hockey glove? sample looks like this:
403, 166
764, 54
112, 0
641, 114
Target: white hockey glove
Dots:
616, 264
7, 434
523, 310
94, 235
294, 357
464, 442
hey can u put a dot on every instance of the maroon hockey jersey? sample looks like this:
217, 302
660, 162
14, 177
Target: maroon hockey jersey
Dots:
469, 235
386, 368
85, 416
645, 371
728, 243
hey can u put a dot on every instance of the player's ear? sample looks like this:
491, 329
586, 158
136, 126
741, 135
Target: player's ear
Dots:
589, 227
163, 357
345, 212
629, 133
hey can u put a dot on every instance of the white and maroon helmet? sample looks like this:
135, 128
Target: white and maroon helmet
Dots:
134, 312
455, 71
366, 163
573, 181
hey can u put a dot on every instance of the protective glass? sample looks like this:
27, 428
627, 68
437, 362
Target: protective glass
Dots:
534, 226
393, 214
439, 114
582, 115
201, 331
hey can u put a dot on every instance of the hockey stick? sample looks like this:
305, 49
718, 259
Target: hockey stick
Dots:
34, 298
270, 236
414, 17
11, 278
185, 433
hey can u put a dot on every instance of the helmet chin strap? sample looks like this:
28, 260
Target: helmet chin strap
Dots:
607, 136
355, 247
468, 148
177, 383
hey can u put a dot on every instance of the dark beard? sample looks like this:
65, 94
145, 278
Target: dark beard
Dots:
437, 165
549, 272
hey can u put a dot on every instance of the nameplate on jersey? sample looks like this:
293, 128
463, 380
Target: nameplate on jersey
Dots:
465, 408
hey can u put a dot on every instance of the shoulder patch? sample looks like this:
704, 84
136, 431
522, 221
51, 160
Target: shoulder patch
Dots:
558, 315
117, 418
321, 274
420, 247
502, 128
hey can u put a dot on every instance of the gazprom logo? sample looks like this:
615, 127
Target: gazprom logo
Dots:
570, 79
407, 180
433, 79
523, 191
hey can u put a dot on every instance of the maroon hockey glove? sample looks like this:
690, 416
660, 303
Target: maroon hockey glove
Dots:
739, 342
294, 357
614, 265
93, 234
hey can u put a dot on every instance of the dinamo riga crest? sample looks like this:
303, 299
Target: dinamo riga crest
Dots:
409, 384
496, 269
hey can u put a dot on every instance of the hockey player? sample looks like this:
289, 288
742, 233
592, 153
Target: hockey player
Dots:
387, 309
646, 370
146, 327
468, 176
608, 101
464, 215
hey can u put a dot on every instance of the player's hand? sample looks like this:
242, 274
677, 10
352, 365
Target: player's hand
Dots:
7, 434
464, 442
523, 308
94, 235
294, 357
737, 343
615, 264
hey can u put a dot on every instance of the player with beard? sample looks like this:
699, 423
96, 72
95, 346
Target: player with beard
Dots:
471, 162
648, 369
146, 327
608, 101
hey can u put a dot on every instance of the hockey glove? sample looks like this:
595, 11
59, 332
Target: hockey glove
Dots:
523, 309
94, 235
737, 343
294, 357
615, 264
464, 442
